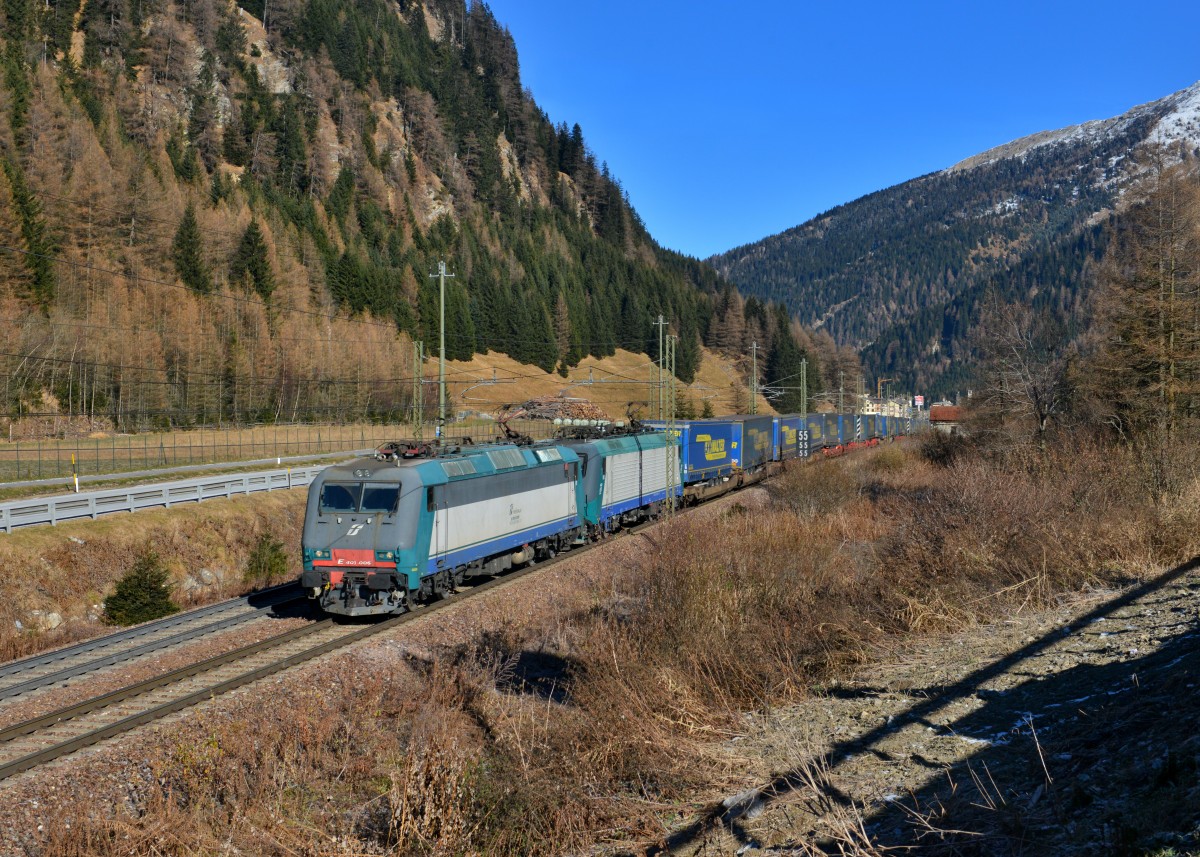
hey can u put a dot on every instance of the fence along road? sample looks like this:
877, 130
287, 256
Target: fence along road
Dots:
93, 504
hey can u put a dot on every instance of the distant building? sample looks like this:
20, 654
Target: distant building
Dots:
945, 418
885, 407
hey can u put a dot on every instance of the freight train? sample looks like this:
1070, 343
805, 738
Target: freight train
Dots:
414, 521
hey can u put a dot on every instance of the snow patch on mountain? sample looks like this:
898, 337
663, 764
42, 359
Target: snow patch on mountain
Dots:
1178, 120
1183, 122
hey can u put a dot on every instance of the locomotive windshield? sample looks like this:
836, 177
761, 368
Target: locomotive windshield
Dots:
346, 497
380, 498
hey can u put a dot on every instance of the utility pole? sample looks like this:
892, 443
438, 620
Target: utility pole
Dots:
804, 389
841, 390
672, 432
419, 387
753, 378
661, 364
442, 275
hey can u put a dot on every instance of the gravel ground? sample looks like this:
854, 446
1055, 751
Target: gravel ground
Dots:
1069, 731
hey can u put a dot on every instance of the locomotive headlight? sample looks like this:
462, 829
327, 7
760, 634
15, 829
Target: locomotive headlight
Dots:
384, 555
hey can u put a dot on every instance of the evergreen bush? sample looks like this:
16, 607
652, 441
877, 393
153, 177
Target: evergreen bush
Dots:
268, 561
141, 595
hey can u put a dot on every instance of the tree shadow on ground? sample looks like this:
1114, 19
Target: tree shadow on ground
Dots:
1097, 758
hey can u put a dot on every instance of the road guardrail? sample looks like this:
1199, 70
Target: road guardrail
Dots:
93, 504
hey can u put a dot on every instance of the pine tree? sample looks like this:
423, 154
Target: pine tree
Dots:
784, 364
250, 262
1149, 308
537, 334
34, 229
186, 253
141, 595
562, 327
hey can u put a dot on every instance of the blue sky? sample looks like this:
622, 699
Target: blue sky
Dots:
728, 122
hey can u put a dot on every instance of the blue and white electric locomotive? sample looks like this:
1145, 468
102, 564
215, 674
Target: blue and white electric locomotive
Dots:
382, 532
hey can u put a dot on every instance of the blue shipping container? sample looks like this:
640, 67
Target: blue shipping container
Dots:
816, 432
708, 448
833, 430
793, 436
758, 441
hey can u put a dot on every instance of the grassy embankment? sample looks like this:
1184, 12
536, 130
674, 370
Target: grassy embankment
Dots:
601, 719
69, 569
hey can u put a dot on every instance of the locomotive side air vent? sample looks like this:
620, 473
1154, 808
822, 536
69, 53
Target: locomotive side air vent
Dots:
502, 459
458, 468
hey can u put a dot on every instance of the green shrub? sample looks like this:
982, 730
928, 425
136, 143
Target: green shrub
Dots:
142, 594
267, 561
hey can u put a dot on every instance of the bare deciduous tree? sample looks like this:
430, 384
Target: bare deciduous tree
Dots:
1025, 368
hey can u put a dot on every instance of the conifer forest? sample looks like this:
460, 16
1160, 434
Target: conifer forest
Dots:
212, 213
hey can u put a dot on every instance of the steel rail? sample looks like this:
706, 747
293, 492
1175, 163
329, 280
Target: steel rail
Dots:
78, 742
126, 655
44, 659
132, 691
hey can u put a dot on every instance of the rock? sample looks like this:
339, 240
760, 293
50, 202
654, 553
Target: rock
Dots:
42, 620
207, 577
748, 803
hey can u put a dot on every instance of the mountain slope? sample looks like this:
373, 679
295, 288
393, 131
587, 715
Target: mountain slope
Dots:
214, 212
900, 273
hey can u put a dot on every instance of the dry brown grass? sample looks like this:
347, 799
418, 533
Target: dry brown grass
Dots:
607, 728
983, 534
70, 568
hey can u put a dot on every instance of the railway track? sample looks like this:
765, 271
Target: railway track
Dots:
57, 667
45, 738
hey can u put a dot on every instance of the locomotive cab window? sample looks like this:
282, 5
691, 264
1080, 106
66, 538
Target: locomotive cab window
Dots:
340, 497
380, 498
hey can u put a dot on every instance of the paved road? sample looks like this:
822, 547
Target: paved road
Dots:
185, 468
